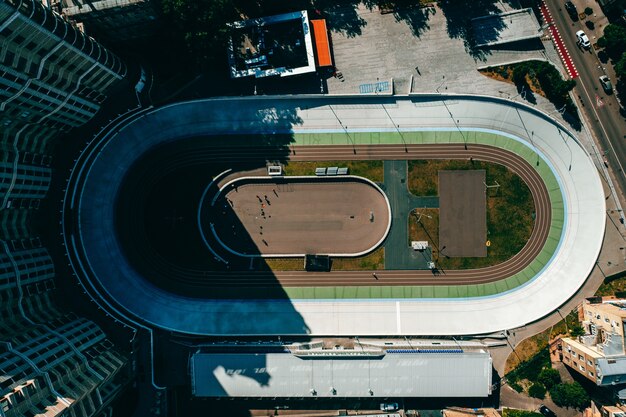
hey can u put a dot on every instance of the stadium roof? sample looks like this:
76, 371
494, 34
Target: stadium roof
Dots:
466, 374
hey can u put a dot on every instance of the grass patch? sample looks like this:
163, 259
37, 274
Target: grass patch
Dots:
373, 261
510, 211
538, 77
505, 73
372, 170
615, 285
285, 264
427, 228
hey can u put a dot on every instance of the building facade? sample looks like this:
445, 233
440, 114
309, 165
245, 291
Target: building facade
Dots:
50, 362
600, 353
52, 77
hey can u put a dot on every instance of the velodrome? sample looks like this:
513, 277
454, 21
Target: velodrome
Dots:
385, 128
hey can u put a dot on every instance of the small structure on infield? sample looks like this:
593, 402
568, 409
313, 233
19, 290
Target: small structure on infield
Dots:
274, 170
319, 263
419, 245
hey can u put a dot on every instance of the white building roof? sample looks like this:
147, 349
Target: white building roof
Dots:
466, 374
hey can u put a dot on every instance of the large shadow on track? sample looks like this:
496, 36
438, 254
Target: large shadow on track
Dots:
157, 208
151, 217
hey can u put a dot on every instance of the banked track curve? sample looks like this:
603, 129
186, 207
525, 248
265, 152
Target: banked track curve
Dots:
95, 181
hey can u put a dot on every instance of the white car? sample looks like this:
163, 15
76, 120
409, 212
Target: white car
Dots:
606, 84
582, 39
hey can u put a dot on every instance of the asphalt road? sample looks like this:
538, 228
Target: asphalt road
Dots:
604, 120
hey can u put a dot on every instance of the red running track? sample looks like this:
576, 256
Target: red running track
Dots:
558, 42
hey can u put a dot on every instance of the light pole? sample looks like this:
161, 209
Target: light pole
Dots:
568, 148
345, 129
419, 218
527, 135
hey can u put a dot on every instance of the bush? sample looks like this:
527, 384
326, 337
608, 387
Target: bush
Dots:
537, 391
517, 387
590, 24
549, 377
509, 412
614, 40
570, 395
576, 330
531, 368
588, 11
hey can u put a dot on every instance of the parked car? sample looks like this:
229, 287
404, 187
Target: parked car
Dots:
571, 10
606, 84
546, 411
582, 39
388, 406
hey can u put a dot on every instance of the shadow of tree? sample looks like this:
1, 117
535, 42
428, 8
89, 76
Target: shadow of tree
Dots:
341, 16
459, 15
416, 17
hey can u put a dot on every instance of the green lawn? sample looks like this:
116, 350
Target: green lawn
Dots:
510, 211
372, 170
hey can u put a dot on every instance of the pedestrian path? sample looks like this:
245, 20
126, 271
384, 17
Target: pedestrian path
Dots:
398, 253
558, 41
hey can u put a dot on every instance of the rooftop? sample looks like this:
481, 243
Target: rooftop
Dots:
415, 374
611, 306
274, 45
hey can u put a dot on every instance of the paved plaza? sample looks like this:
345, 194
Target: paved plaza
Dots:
416, 44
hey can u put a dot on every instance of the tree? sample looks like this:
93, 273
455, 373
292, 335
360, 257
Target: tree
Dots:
537, 391
570, 395
509, 412
620, 66
549, 377
614, 41
577, 330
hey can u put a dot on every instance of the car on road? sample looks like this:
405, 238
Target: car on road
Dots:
606, 84
571, 10
582, 39
546, 411
388, 406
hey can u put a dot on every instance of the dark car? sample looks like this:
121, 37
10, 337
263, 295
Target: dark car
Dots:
571, 10
546, 411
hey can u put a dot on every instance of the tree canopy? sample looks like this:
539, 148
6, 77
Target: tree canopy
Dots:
570, 395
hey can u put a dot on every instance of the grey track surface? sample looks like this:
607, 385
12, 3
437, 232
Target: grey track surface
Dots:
398, 254
302, 216
463, 213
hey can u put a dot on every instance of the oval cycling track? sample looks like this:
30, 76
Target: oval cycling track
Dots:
572, 197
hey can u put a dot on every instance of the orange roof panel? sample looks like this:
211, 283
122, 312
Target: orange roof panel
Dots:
322, 46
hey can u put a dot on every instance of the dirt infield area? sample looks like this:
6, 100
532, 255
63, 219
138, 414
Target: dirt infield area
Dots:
333, 216
462, 213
